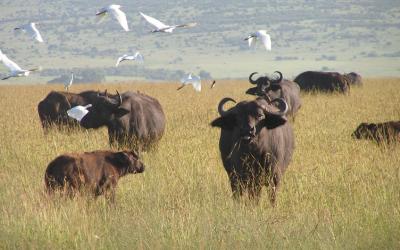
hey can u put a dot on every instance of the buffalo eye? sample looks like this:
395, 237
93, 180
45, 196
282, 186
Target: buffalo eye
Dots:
259, 116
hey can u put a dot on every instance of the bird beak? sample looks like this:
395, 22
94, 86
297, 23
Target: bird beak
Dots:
183, 85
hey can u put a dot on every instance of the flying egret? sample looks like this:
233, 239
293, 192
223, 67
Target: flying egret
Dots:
136, 57
78, 112
15, 70
67, 85
191, 79
115, 11
262, 35
161, 27
31, 29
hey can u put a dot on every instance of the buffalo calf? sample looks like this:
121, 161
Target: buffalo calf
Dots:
380, 132
95, 172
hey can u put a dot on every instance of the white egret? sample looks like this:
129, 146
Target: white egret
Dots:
69, 84
15, 70
31, 29
78, 112
136, 57
115, 11
262, 35
161, 27
194, 80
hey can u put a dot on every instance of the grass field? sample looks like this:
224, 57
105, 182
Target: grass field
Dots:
338, 193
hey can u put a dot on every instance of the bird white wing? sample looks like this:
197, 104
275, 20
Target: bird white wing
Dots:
120, 16
78, 112
119, 60
251, 41
155, 22
138, 57
12, 66
34, 32
266, 40
72, 80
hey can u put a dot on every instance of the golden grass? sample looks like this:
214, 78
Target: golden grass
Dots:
337, 192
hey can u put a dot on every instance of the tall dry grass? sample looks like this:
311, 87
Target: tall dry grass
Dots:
338, 193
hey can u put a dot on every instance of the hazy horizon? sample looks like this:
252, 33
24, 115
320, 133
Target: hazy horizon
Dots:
360, 36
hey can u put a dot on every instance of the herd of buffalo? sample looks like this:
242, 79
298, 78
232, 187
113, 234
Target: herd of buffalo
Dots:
256, 140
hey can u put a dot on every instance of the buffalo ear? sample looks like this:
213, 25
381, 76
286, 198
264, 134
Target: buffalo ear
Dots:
225, 122
273, 121
252, 91
121, 112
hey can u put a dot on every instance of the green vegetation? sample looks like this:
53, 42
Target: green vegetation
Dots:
338, 193
343, 36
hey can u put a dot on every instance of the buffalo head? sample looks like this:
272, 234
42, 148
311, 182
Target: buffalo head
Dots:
365, 131
264, 83
127, 161
105, 109
249, 117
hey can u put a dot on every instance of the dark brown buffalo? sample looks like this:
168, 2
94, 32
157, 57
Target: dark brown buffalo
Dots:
355, 79
133, 119
95, 172
323, 81
53, 109
256, 145
277, 88
387, 132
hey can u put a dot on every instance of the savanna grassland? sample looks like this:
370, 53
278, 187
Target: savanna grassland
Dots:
338, 193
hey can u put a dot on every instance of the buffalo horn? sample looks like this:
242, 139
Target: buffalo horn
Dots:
282, 106
250, 78
119, 99
280, 77
221, 104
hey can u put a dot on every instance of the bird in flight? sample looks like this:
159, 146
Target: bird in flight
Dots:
69, 84
31, 29
15, 70
161, 27
259, 35
194, 80
115, 11
136, 57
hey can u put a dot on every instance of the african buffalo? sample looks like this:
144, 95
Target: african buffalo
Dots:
355, 79
277, 88
53, 109
256, 145
380, 132
96, 172
133, 119
323, 81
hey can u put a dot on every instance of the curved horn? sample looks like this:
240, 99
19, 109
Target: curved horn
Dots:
250, 78
279, 79
221, 104
119, 99
282, 107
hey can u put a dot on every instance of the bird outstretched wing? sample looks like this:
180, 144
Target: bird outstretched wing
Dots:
154, 22
120, 16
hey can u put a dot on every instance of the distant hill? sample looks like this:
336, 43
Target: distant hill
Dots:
361, 36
